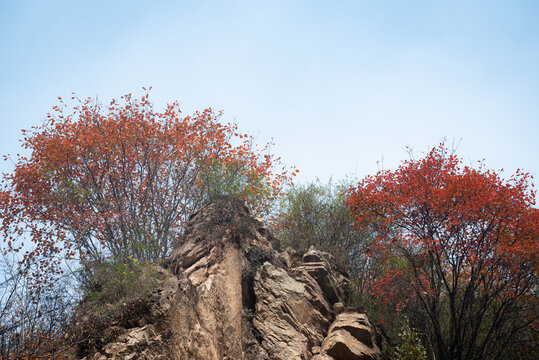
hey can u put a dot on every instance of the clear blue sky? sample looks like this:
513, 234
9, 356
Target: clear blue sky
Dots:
338, 85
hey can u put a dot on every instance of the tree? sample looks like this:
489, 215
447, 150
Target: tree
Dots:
315, 214
31, 325
468, 242
108, 182
410, 347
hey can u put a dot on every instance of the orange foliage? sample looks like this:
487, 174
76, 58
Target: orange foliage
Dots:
122, 180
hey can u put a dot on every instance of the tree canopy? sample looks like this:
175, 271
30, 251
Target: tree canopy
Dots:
468, 244
120, 180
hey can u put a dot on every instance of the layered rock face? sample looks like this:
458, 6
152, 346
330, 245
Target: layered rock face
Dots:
229, 293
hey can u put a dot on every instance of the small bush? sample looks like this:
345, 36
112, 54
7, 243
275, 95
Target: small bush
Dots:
409, 344
112, 296
116, 283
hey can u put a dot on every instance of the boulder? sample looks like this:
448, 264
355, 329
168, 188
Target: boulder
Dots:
351, 337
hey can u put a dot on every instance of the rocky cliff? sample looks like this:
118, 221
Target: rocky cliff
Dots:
229, 293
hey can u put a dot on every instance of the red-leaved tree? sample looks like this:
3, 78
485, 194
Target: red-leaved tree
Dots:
467, 242
107, 182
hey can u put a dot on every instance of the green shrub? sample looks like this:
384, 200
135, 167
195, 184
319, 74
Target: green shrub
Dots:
113, 297
108, 285
315, 214
409, 344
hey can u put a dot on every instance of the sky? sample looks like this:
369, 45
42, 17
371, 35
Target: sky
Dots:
342, 87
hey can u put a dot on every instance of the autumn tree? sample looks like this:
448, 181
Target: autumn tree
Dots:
468, 244
108, 182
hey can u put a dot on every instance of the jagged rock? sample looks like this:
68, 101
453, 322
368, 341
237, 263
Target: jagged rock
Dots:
161, 299
263, 230
291, 315
208, 316
191, 252
351, 337
313, 256
338, 308
115, 349
357, 325
325, 280
226, 293
291, 258
318, 265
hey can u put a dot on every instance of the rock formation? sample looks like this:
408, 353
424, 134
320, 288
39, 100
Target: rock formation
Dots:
228, 293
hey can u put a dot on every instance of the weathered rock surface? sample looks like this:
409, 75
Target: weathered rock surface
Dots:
228, 293
319, 265
291, 313
351, 337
